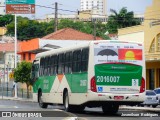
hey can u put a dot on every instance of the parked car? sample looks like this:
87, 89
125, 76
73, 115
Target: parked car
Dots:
150, 99
157, 91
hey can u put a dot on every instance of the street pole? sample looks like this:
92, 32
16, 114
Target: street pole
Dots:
7, 80
56, 17
15, 53
3, 73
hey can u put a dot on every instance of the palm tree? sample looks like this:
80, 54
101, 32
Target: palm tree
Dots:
121, 20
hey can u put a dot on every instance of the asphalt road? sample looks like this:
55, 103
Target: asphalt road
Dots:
56, 112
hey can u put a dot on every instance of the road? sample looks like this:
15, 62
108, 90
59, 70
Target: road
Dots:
59, 113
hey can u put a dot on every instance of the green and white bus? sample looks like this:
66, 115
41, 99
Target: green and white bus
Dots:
105, 73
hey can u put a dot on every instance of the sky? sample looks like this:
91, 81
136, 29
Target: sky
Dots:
138, 6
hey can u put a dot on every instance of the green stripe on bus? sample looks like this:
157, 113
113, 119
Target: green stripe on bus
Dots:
78, 82
45, 83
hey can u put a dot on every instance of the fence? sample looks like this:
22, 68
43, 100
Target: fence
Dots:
21, 93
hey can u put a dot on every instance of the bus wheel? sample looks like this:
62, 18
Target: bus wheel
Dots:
154, 106
40, 101
66, 102
110, 109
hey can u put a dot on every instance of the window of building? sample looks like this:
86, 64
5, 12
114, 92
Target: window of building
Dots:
158, 44
152, 48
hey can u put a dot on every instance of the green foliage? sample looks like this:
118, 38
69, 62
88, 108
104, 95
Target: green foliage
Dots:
5, 20
22, 72
28, 29
121, 20
86, 27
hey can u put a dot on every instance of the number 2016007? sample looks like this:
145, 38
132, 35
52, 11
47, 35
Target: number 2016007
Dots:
108, 79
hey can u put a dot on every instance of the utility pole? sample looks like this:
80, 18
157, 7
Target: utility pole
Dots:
15, 53
3, 73
7, 80
56, 17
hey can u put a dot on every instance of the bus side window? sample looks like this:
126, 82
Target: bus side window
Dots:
49, 65
34, 73
45, 66
85, 55
61, 64
68, 62
52, 65
42, 67
55, 64
76, 65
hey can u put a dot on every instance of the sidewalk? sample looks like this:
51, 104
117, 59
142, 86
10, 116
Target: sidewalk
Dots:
157, 109
13, 98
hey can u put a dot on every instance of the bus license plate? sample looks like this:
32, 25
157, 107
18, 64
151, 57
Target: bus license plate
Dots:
118, 97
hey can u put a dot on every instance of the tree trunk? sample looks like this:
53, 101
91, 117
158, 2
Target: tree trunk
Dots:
27, 90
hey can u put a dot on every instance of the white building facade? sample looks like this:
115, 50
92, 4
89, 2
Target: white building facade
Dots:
2, 7
97, 6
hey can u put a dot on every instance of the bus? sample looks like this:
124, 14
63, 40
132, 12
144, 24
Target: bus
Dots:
105, 73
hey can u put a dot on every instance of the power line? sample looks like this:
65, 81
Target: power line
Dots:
44, 6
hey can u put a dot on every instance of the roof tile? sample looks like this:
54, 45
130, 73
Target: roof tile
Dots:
70, 34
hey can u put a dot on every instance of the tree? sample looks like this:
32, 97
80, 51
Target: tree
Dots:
28, 29
5, 20
22, 74
121, 20
86, 27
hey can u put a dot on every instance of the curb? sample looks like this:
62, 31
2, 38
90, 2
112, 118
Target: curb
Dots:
16, 99
140, 108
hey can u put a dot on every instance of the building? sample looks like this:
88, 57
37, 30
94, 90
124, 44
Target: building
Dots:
2, 7
2, 32
91, 10
149, 34
88, 16
6, 60
50, 17
62, 38
82, 16
96, 6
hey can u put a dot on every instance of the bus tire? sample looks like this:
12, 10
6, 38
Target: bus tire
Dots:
154, 106
40, 101
67, 107
110, 109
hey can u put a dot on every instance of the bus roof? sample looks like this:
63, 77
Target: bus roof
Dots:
83, 45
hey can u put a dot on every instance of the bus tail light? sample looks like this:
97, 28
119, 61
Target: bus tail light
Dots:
142, 88
93, 85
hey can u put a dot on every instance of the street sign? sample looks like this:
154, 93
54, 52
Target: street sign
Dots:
20, 1
20, 6
20, 9
11, 75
